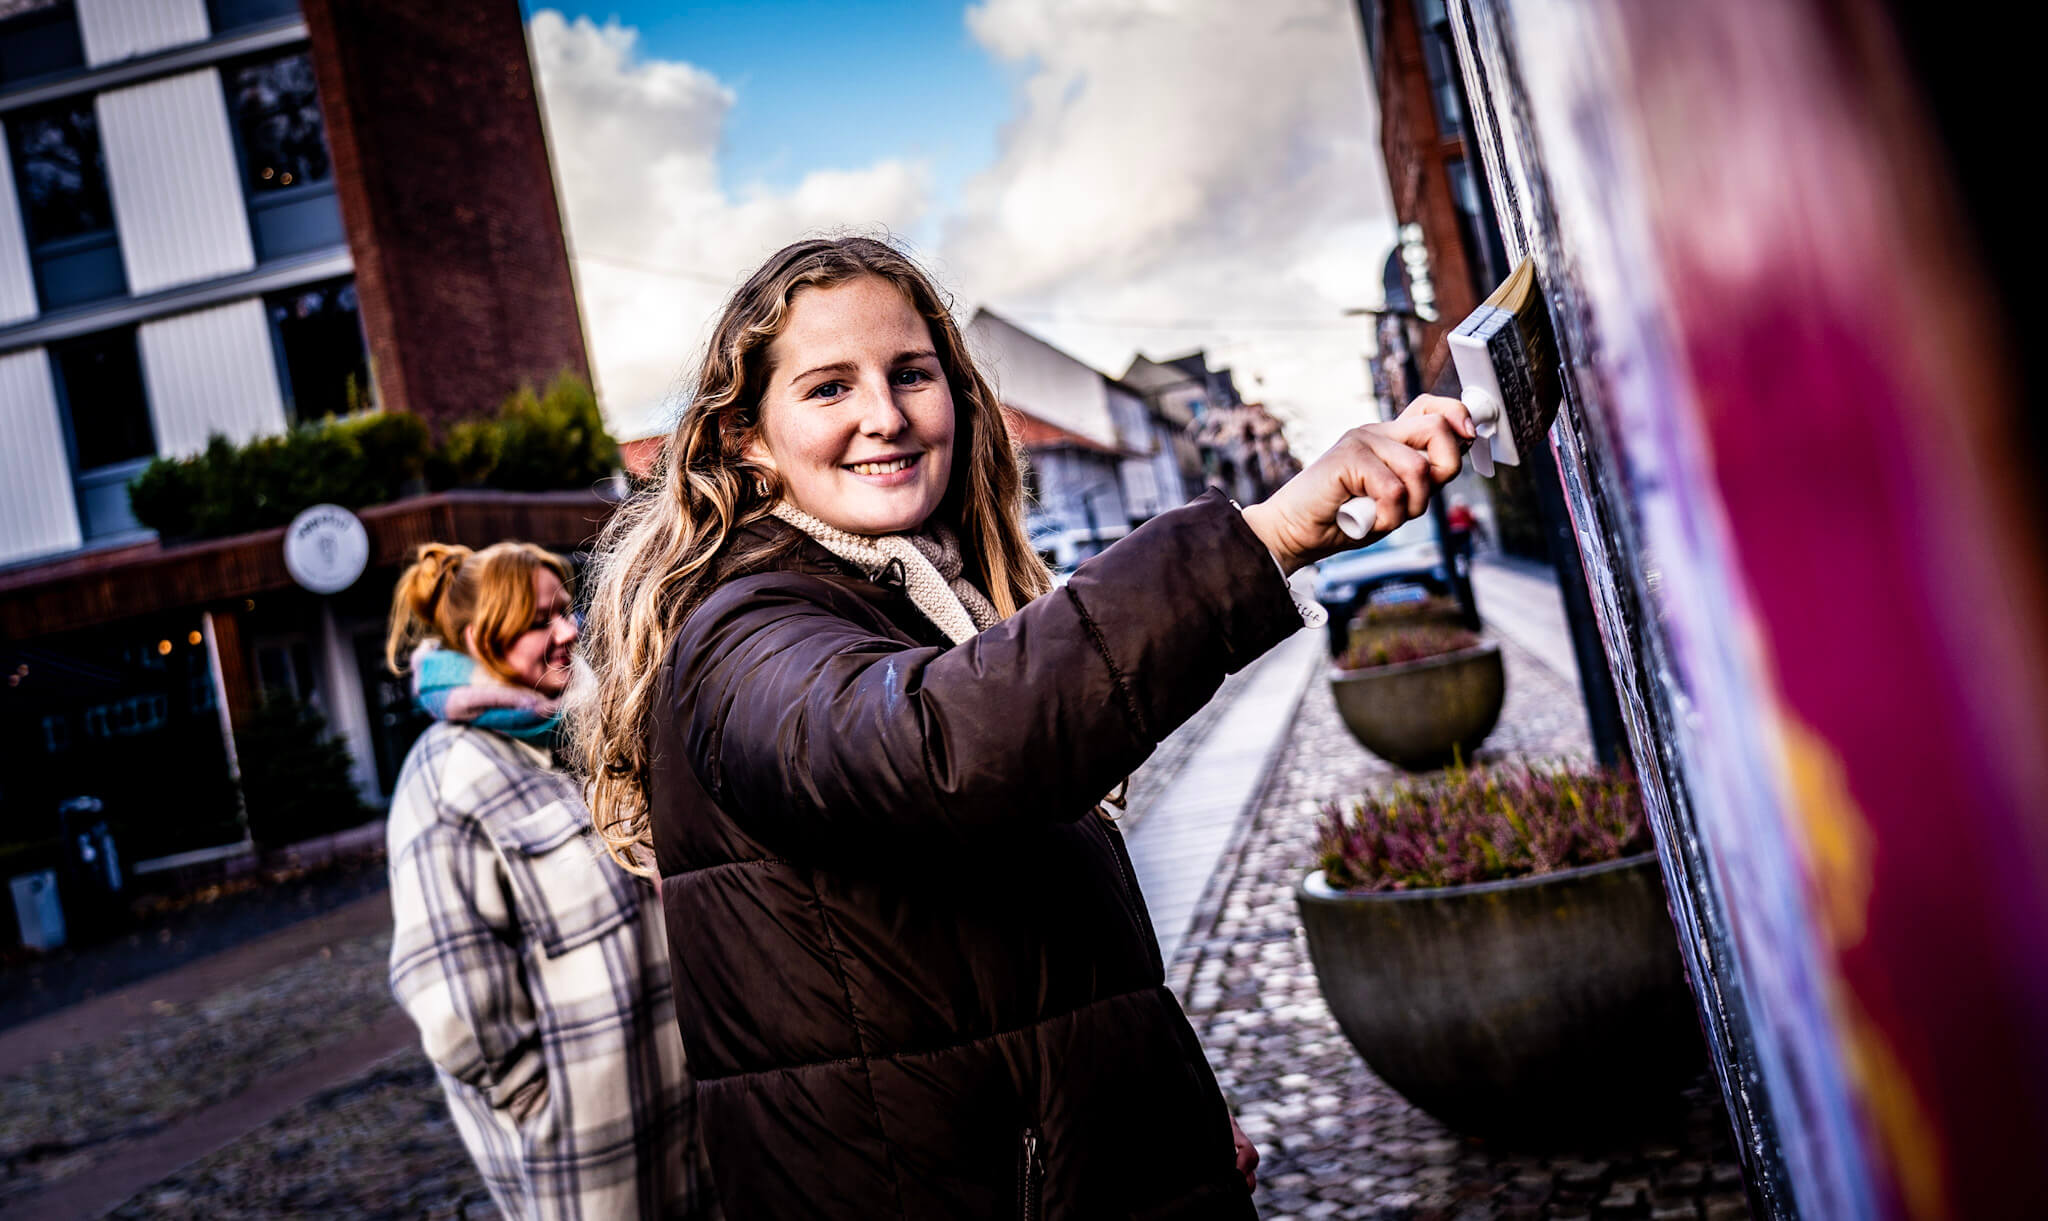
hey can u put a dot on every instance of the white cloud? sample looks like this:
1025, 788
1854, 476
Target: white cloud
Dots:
1187, 160
635, 144
1167, 160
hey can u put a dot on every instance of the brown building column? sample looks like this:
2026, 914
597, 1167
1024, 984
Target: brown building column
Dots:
442, 169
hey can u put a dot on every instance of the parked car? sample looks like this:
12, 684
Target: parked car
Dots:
1405, 566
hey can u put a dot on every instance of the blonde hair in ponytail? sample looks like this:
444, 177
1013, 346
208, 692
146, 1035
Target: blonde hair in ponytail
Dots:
655, 559
449, 589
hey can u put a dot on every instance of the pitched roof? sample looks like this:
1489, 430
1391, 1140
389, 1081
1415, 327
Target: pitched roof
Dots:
1034, 433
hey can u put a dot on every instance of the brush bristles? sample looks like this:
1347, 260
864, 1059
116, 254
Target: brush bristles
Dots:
1519, 296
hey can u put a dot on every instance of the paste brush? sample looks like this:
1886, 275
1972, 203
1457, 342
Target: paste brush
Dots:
1505, 359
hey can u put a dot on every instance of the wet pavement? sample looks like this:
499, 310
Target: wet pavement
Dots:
168, 935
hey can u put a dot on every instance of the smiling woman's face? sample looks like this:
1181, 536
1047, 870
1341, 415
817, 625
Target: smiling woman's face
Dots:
857, 418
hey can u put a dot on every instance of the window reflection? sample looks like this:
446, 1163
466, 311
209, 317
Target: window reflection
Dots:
320, 336
277, 110
101, 379
61, 176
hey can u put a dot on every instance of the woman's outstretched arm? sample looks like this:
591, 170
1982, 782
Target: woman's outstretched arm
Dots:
800, 722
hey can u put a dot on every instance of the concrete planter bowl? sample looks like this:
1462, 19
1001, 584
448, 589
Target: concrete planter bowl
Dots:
1422, 714
1531, 1009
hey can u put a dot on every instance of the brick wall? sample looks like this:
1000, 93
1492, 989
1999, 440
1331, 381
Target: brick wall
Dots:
1415, 156
443, 174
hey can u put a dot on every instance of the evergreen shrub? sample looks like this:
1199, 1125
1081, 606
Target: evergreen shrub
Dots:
295, 775
1404, 632
533, 443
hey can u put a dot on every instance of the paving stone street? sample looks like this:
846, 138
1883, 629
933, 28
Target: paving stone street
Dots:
1335, 1142
371, 1137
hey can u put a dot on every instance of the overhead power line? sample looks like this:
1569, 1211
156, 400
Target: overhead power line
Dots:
613, 260
1333, 325
1128, 323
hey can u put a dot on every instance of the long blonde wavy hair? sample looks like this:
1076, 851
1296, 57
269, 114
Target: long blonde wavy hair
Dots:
659, 555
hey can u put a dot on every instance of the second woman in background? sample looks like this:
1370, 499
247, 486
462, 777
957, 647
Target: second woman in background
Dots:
533, 964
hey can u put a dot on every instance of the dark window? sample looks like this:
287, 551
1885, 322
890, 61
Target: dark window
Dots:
228, 15
62, 176
38, 40
99, 382
319, 335
61, 179
277, 111
286, 172
1440, 61
1483, 254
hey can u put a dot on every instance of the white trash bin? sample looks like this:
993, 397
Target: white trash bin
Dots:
38, 910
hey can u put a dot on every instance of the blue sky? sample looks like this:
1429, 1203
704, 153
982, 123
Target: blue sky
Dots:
832, 84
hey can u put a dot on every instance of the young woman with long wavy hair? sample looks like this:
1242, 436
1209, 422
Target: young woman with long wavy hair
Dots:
843, 717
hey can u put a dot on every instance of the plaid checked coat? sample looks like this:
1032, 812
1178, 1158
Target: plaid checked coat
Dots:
538, 975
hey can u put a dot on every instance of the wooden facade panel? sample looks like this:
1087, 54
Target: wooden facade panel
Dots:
106, 587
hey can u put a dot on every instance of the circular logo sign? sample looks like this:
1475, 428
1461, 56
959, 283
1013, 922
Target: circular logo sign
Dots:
326, 549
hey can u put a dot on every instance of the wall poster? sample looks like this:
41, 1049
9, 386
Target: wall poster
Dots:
1787, 448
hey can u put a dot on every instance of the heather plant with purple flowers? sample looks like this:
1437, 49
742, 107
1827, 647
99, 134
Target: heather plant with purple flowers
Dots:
1405, 631
1481, 824
1394, 646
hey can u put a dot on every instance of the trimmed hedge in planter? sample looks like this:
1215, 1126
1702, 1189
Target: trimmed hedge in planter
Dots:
535, 442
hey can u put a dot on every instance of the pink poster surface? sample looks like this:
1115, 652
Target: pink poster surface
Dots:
1788, 444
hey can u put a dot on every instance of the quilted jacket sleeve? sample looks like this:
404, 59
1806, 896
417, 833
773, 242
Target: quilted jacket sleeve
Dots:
799, 721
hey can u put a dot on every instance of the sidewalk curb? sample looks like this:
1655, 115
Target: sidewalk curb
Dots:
106, 1016
1208, 909
1203, 914
104, 1185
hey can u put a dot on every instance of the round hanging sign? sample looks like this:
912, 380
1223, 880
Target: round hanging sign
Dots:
326, 549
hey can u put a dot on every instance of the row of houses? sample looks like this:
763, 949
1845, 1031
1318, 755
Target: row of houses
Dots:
1106, 453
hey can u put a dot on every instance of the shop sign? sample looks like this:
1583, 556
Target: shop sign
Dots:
326, 549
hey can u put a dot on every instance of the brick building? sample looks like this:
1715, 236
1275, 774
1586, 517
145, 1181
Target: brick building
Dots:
1449, 252
229, 217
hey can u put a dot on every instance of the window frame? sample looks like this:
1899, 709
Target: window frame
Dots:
87, 484
47, 253
259, 204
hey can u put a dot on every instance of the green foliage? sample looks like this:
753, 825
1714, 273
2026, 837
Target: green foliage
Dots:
533, 443
1467, 825
229, 489
295, 777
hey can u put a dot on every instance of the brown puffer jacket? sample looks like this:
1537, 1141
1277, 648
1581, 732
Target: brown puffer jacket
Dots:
914, 974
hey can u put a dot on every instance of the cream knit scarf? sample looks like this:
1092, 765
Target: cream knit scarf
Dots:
931, 566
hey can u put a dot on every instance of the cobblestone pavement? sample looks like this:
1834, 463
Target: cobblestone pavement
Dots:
170, 934
1335, 1142
378, 1146
60, 1116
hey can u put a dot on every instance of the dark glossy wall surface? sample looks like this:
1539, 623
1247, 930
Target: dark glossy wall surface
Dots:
1796, 458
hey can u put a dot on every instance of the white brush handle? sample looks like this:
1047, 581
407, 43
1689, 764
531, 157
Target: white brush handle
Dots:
1356, 516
